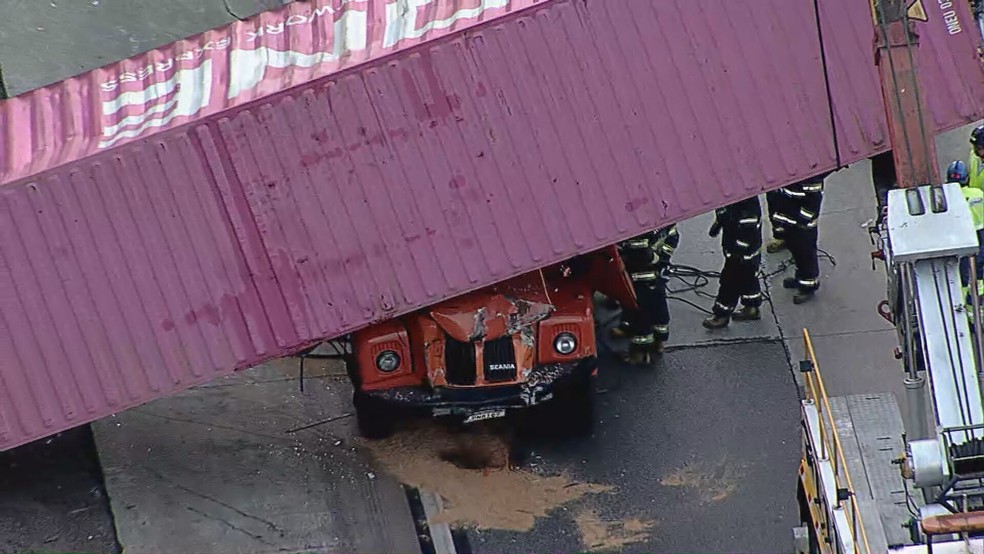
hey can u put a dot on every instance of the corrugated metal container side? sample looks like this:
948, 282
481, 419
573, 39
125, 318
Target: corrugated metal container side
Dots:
950, 74
166, 261
953, 82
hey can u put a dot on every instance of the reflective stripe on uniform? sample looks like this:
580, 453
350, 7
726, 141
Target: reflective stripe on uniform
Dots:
752, 255
666, 248
808, 282
784, 219
793, 193
807, 213
637, 243
742, 243
723, 308
643, 339
813, 188
748, 221
755, 296
661, 328
644, 276
812, 224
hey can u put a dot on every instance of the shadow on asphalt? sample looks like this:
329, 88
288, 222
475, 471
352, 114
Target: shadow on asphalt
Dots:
52, 497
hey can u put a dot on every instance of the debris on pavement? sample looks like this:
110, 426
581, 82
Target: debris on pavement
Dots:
597, 533
496, 497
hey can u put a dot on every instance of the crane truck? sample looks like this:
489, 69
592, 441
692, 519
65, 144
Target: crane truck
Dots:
869, 480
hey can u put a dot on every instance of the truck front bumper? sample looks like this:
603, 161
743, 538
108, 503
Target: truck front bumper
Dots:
544, 381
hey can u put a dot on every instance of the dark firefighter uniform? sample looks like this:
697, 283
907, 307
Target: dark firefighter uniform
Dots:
797, 211
646, 258
740, 226
773, 199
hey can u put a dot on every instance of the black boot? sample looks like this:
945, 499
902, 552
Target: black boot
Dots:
775, 245
790, 283
803, 296
747, 313
639, 355
717, 322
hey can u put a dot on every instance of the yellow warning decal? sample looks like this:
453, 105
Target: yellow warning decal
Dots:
917, 11
914, 10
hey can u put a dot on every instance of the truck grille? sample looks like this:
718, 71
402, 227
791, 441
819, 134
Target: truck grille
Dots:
500, 360
459, 362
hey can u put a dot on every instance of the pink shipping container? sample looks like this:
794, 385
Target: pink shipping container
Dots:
242, 194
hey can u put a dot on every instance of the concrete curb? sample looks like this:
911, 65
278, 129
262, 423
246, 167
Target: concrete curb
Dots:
440, 533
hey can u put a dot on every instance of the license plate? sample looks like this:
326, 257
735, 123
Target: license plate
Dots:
483, 415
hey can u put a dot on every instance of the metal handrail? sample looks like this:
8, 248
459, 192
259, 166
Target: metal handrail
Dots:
817, 393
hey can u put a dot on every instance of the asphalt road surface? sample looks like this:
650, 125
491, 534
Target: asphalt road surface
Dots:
52, 497
700, 453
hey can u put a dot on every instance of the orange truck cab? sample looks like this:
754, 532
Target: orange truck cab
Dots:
511, 346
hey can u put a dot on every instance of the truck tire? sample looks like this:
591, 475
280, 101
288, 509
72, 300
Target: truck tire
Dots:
576, 408
374, 419
569, 414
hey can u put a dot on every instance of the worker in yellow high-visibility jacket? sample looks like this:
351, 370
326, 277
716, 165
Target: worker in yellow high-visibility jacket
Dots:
957, 173
976, 161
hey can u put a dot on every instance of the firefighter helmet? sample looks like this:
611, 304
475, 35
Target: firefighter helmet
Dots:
957, 173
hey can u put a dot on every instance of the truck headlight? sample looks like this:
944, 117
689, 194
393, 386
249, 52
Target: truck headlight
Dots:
387, 361
565, 344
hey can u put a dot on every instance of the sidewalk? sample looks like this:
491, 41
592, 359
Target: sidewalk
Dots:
250, 465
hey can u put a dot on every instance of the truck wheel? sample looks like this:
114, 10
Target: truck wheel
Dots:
374, 419
580, 407
570, 413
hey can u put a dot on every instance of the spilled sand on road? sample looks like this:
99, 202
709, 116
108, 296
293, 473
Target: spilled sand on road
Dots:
496, 497
712, 481
597, 533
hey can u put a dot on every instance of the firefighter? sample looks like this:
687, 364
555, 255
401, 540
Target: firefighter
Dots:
976, 160
647, 258
740, 227
798, 213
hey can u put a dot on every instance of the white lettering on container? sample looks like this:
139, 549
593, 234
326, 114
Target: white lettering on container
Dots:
401, 18
950, 17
